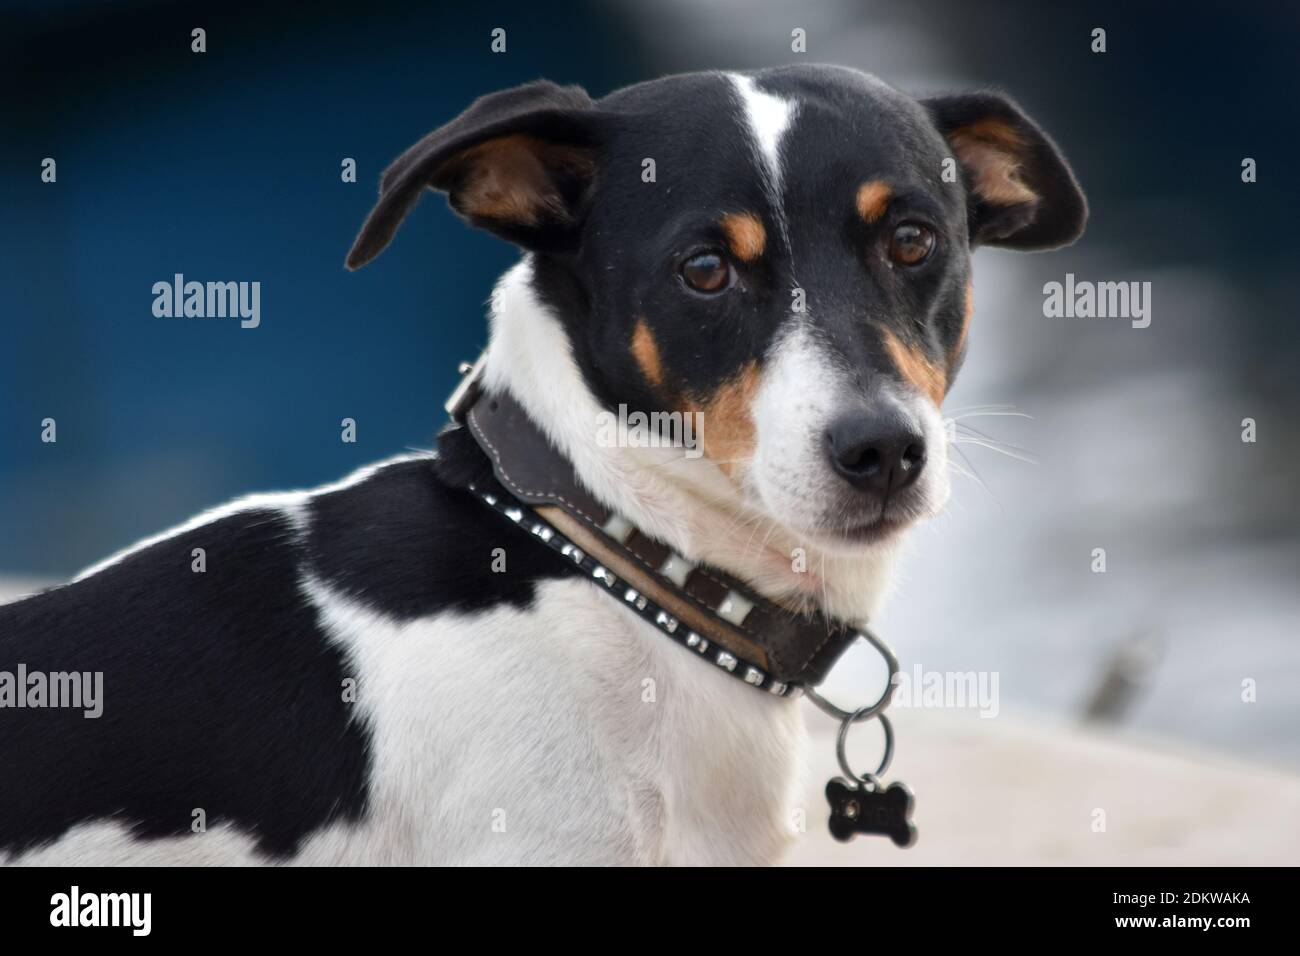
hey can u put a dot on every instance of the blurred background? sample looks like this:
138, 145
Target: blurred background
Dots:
226, 166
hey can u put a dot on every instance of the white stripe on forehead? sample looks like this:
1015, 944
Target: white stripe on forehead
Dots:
768, 117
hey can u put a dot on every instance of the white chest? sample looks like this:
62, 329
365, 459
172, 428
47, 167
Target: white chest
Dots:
567, 732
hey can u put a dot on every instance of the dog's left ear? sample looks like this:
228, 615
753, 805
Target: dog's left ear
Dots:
518, 163
1022, 193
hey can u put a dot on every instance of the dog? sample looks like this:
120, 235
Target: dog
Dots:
385, 671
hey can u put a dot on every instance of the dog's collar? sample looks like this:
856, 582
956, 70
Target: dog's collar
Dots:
706, 610
765, 645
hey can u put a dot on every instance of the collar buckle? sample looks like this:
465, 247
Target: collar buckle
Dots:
469, 388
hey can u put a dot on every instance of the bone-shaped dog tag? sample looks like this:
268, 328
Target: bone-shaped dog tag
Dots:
857, 809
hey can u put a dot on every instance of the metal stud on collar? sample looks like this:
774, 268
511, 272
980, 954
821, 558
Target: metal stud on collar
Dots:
520, 514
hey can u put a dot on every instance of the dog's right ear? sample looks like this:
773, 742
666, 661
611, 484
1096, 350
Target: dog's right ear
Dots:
519, 163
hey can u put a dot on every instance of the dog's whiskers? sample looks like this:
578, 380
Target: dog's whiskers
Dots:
973, 473
988, 411
1011, 451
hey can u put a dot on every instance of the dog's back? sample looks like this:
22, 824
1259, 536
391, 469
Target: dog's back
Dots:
225, 702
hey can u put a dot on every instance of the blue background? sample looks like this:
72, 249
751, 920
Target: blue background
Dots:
226, 166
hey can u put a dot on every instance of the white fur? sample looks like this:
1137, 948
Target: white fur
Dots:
769, 118
790, 474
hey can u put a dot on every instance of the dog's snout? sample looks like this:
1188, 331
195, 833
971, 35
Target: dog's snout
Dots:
876, 452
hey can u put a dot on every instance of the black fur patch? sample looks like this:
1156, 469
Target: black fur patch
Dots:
220, 693
220, 690
414, 545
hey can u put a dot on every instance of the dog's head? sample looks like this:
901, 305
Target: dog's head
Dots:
785, 252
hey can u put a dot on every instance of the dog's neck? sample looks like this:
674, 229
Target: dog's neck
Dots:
687, 503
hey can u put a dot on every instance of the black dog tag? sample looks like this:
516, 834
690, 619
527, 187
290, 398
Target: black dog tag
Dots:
856, 809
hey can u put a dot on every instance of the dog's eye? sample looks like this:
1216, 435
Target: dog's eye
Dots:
911, 244
707, 272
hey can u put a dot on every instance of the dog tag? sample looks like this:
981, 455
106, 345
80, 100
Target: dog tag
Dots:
860, 808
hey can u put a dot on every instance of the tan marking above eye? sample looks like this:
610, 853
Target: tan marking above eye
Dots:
873, 199
727, 430
990, 151
745, 235
926, 377
646, 352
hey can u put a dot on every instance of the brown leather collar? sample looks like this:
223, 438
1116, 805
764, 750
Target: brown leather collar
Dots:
712, 613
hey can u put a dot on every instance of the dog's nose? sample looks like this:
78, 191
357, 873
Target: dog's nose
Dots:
879, 452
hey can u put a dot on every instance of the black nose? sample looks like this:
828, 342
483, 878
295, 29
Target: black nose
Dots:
879, 452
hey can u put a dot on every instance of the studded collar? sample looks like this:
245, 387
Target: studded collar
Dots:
702, 608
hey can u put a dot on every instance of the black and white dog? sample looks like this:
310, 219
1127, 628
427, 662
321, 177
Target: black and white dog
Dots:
385, 671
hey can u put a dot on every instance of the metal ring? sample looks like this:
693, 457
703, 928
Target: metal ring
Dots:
843, 759
862, 713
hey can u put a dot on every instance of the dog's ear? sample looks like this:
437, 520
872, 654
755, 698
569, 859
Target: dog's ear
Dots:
518, 163
1021, 191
